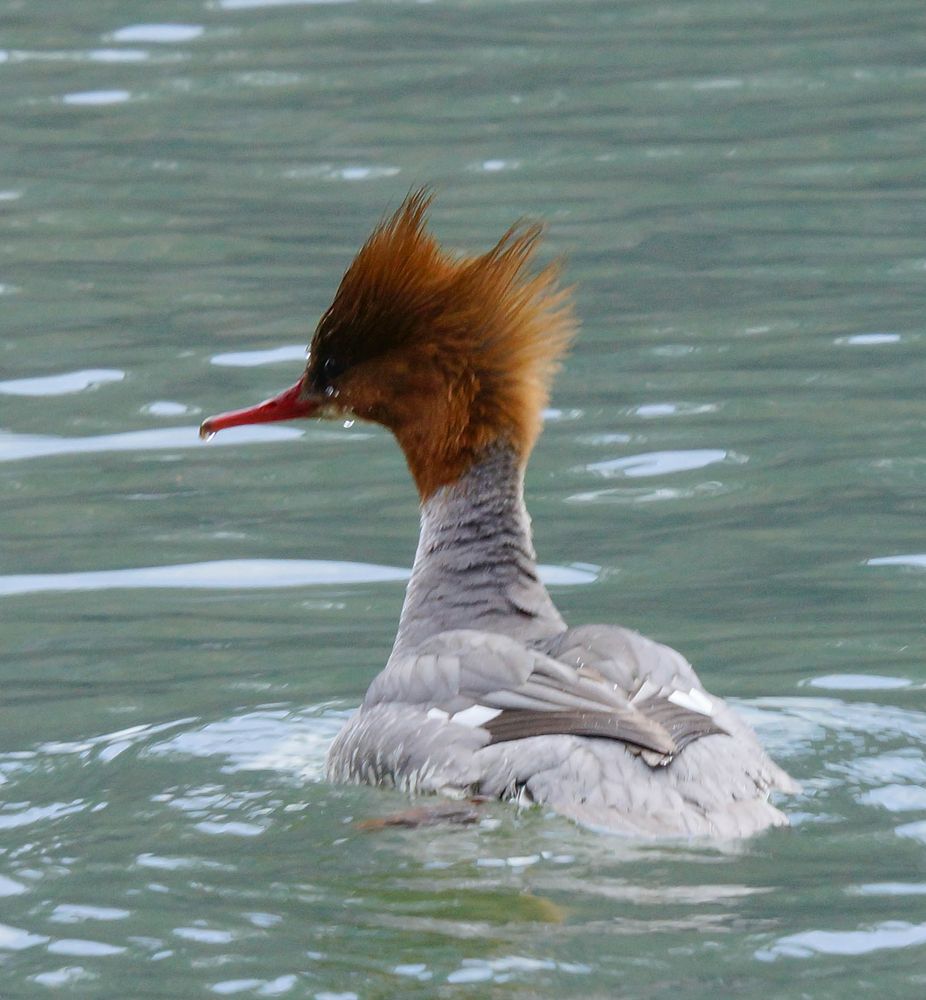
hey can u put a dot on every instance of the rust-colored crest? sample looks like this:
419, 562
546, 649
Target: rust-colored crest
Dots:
451, 353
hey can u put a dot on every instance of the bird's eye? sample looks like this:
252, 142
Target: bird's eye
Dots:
332, 367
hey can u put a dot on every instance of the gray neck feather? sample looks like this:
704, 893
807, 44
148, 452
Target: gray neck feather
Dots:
475, 566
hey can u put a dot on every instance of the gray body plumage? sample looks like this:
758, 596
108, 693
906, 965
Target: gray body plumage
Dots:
488, 692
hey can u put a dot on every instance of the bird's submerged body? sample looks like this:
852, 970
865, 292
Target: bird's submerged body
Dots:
487, 691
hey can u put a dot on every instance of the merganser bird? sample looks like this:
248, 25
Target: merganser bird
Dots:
487, 691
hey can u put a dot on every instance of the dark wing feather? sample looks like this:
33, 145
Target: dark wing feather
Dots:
657, 724
682, 724
521, 723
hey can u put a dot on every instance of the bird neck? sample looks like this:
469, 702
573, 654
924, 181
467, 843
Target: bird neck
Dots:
475, 566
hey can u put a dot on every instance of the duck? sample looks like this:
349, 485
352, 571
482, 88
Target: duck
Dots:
488, 693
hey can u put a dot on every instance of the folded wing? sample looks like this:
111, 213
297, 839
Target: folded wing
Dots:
513, 692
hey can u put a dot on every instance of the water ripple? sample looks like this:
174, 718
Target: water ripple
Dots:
13, 818
916, 560
118, 55
158, 33
504, 969
222, 574
649, 410
291, 742
344, 172
63, 384
917, 831
82, 948
890, 934
869, 339
71, 913
168, 408
661, 463
254, 4
896, 798
262, 987
625, 495
858, 682
10, 887
16, 939
251, 359
246, 574
16, 447
96, 98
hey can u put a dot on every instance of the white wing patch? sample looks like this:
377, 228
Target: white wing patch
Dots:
694, 700
439, 714
475, 716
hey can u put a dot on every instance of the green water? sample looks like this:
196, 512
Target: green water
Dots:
735, 464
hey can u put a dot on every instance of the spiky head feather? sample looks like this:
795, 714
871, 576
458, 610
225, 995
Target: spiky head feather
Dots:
450, 353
